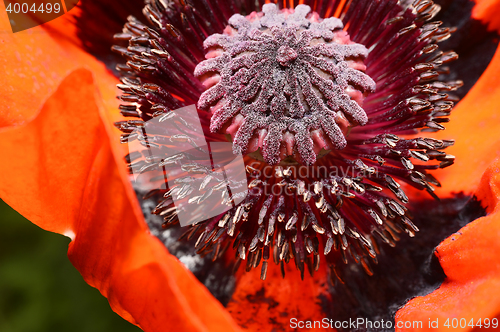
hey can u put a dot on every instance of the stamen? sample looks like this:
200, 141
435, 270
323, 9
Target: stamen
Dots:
288, 87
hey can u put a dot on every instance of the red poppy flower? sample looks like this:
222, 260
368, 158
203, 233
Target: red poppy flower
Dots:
63, 170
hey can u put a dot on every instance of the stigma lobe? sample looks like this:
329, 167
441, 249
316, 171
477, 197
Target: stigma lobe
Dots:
284, 84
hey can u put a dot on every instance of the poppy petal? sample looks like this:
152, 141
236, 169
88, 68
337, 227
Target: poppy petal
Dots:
475, 124
487, 11
470, 261
270, 304
35, 61
64, 176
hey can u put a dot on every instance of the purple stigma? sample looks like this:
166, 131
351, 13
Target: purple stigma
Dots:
285, 84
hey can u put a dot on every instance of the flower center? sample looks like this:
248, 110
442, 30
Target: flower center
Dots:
285, 85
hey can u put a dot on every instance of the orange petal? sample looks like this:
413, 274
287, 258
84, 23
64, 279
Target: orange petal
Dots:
475, 124
269, 305
471, 263
35, 61
63, 175
487, 12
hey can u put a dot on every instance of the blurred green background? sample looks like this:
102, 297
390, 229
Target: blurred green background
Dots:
40, 291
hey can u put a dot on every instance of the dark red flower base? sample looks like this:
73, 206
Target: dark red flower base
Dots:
475, 44
98, 21
410, 269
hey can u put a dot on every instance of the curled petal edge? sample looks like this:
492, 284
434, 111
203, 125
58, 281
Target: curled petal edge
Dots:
470, 260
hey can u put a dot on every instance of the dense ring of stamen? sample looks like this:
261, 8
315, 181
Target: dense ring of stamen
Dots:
336, 217
282, 81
